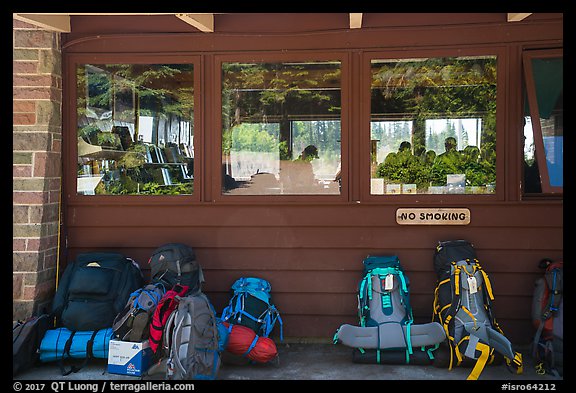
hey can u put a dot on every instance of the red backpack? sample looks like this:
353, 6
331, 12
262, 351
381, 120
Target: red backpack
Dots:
547, 317
165, 307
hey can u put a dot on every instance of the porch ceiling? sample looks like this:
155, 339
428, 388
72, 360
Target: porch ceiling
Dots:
204, 22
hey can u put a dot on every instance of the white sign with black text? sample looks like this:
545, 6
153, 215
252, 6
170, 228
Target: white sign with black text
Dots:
433, 216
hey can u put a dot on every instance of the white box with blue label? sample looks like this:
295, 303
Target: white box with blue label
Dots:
129, 358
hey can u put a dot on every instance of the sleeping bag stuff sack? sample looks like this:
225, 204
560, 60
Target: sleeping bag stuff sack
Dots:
387, 333
242, 341
61, 344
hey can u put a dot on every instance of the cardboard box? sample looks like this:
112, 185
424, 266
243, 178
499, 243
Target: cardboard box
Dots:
129, 358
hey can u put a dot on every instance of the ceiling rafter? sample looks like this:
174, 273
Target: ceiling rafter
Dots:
57, 22
517, 17
356, 20
203, 22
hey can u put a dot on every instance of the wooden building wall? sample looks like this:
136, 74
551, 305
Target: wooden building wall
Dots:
311, 251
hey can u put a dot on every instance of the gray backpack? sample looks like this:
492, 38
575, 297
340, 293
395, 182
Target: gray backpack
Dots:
387, 333
191, 340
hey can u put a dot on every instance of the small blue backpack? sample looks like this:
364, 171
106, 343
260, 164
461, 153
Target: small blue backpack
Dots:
251, 306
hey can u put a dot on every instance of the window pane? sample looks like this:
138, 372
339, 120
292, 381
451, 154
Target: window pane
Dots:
433, 126
135, 129
281, 128
548, 80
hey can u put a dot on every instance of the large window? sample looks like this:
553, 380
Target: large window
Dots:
544, 122
281, 128
433, 125
135, 129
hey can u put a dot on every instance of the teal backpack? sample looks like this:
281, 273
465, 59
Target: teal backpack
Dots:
387, 333
385, 268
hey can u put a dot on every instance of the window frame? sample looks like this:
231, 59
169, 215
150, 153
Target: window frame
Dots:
273, 57
501, 68
531, 95
70, 149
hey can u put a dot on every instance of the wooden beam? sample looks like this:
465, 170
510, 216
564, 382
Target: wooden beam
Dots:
203, 22
355, 20
517, 17
57, 22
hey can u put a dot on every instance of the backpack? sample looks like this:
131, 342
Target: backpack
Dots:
26, 338
93, 289
463, 305
175, 263
162, 312
251, 306
192, 338
133, 323
547, 317
387, 333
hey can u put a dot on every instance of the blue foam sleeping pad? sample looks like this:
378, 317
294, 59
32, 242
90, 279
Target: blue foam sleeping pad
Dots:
54, 342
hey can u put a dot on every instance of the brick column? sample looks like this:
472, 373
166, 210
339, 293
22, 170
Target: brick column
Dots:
37, 169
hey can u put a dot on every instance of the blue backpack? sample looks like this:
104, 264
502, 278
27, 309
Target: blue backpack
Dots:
251, 306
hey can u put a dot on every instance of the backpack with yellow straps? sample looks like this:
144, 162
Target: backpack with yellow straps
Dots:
463, 306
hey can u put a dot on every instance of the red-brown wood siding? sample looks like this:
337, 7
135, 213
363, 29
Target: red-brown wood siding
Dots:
311, 250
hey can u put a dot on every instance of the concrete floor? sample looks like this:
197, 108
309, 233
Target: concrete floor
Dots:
312, 362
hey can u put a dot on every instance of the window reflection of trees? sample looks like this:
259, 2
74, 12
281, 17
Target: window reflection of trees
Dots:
135, 122
411, 93
270, 112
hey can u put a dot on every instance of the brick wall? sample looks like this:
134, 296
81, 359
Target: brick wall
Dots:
36, 170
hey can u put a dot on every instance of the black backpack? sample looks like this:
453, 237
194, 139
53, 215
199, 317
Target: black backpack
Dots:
93, 289
26, 338
463, 305
175, 263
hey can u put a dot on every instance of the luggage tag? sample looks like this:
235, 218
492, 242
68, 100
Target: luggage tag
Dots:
472, 284
389, 282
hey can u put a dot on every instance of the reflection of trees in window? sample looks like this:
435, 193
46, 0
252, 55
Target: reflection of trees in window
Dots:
438, 88
301, 100
112, 100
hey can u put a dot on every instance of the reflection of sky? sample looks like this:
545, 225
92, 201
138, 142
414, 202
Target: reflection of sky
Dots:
529, 139
470, 127
403, 131
554, 147
176, 132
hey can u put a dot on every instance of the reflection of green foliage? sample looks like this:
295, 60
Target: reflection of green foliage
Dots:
128, 186
269, 93
89, 133
108, 139
157, 189
253, 137
403, 167
98, 87
440, 88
